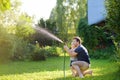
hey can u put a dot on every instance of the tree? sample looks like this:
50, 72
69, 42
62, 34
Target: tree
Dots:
53, 14
60, 20
6, 45
113, 21
15, 29
42, 23
94, 37
24, 27
113, 24
6, 42
113, 8
75, 10
66, 14
15, 22
4, 5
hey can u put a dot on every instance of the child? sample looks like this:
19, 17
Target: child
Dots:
72, 59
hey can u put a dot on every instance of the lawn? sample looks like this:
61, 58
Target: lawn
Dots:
52, 69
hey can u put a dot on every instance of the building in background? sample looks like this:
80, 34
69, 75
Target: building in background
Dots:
96, 12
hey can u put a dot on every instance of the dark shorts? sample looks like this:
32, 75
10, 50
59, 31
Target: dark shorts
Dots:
71, 62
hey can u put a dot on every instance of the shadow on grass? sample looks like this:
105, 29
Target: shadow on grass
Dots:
109, 76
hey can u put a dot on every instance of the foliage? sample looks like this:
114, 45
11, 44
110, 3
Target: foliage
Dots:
50, 27
96, 39
53, 51
19, 24
4, 5
15, 31
42, 39
66, 14
60, 20
93, 36
48, 24
106, 53
21, 49
113, 9
6, 45
64, 18
6, 41
42, 23
16, 23
113, 23
24, 27
74, 10
39, 55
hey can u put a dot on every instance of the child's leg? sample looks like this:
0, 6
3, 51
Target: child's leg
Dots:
74, 72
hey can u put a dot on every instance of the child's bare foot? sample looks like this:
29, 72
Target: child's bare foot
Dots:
91, 72
81, 76
88, 72
75, 75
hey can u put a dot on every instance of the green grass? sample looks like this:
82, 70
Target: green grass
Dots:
52, 69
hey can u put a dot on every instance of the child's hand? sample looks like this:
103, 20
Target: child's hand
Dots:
66, 47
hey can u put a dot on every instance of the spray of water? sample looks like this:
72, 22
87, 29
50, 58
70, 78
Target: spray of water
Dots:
46, 33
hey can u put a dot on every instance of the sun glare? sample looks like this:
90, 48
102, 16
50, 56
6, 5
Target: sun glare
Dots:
38, 8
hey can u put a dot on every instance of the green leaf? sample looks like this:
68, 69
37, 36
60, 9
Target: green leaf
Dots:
4, 5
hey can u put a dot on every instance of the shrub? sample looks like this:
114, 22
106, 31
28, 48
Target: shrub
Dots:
6, 45
21, 49
39, 55
113, 23
44, 52
97, 40
53, 51
106, 53
91, 35
6, 49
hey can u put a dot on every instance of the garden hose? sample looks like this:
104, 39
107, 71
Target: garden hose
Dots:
64, 62
64, 65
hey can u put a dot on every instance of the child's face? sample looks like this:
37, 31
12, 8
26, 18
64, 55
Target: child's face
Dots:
73, 44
